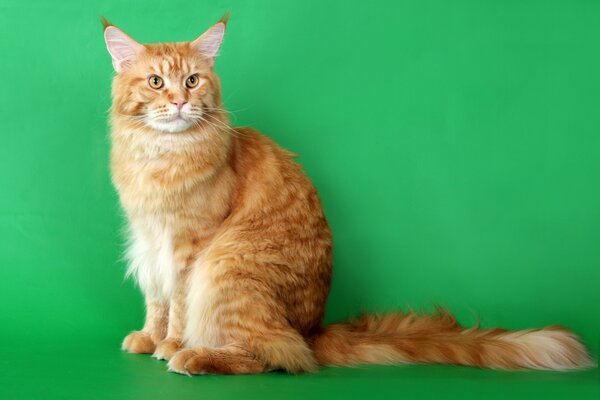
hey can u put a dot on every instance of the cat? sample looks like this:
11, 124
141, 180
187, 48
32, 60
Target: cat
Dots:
230, 246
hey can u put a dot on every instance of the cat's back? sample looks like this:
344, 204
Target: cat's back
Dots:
258, 161
275, 206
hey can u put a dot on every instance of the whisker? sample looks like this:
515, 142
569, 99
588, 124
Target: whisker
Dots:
221, 125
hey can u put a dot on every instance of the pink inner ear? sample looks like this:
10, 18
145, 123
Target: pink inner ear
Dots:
209, 42
121, 47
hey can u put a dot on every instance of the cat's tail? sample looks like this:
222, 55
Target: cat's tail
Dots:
408, 338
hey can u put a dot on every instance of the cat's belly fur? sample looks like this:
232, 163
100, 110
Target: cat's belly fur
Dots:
150, 256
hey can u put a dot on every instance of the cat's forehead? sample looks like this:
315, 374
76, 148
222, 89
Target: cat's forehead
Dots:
174, 59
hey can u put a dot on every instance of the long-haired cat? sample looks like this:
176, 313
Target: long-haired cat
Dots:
231, 249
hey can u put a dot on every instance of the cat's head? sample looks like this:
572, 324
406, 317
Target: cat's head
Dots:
169, 87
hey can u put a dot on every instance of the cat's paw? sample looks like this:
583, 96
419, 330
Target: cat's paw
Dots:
166, 349
178, 361
139, 343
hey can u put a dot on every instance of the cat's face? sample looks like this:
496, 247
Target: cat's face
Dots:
167, 87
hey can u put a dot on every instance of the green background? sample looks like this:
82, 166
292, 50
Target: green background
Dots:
455, 145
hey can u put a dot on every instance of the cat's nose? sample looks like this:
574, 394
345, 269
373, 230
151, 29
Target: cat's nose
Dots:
180, 104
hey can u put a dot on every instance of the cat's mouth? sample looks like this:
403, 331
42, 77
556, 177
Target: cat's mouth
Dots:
173, 124
178, 117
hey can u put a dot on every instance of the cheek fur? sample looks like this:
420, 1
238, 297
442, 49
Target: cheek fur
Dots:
204, 95
138, 98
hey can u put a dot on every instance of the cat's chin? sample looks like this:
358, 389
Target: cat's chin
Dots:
174, 126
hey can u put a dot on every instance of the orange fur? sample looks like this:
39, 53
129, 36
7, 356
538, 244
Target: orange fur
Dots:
396, 338
231, 248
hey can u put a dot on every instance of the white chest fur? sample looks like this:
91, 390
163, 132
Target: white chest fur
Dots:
150, 256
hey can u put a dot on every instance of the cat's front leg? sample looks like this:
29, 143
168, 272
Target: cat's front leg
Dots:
172, 343
153, 332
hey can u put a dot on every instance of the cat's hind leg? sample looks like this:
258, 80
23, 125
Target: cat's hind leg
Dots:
231, 304
264, 351
226, 360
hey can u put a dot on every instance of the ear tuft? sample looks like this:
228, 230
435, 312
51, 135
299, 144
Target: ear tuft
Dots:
209, 42
104, 22
225, 18
121, 47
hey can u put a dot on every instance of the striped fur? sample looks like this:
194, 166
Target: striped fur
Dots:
396, 339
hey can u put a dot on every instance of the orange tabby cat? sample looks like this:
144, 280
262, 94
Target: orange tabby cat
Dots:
230, 246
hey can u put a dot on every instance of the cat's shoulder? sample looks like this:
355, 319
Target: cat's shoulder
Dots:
250, 138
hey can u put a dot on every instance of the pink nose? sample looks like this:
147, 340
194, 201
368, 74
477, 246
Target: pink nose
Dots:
180, 104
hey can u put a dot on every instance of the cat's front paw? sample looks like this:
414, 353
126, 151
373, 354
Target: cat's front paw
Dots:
139, 343
166, 349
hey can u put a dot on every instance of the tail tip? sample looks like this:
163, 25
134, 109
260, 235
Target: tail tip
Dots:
555, 349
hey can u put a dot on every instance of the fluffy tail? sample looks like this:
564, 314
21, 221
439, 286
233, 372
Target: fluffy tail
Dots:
407, 338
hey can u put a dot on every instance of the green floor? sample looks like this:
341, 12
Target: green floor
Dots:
67, 368
455, 146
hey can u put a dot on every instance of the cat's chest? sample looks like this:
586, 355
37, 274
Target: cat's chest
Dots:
159, 180
144, 189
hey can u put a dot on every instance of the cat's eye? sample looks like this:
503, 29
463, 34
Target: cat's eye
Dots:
192, 81
155, 82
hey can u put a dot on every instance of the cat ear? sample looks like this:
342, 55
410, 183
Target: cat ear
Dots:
209, 42
121, 47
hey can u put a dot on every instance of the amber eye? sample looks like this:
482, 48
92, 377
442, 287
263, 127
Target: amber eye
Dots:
192, 81
155, 82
